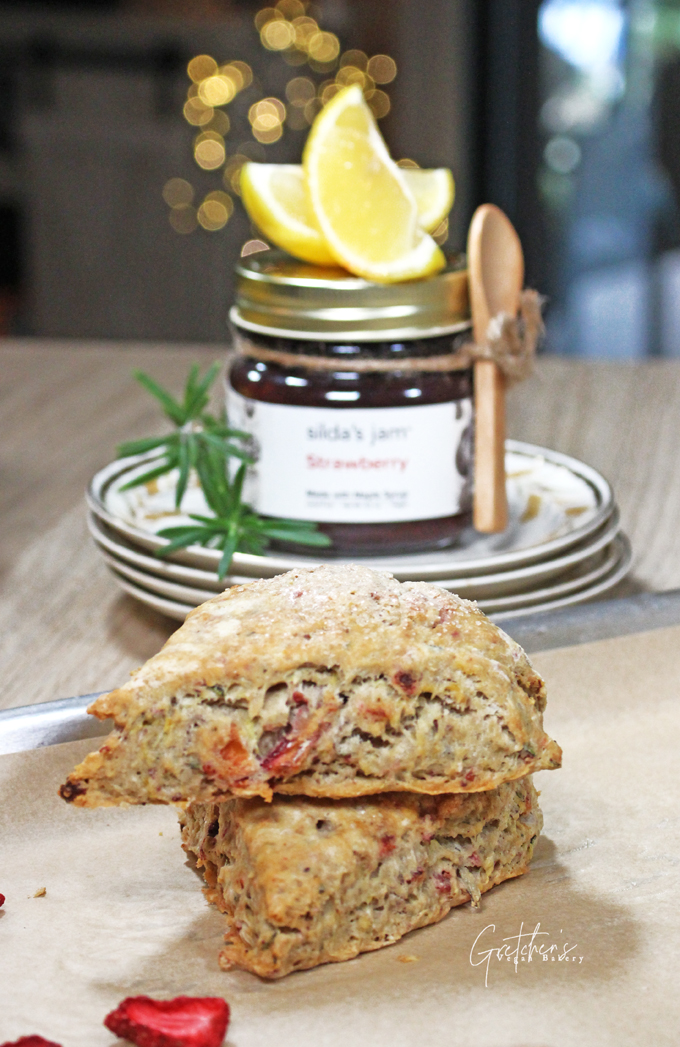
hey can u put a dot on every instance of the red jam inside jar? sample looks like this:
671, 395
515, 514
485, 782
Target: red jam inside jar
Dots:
348, 432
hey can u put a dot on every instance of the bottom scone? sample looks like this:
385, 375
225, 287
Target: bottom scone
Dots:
306, 881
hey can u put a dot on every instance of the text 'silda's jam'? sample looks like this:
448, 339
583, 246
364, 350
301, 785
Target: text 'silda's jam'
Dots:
360, 417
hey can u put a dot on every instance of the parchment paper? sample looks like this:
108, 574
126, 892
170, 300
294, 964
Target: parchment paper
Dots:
124, 913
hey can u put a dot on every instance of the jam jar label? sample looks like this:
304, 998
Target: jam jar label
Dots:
356, 465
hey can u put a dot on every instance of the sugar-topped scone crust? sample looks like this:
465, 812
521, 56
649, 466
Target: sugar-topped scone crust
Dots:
337, 681
307, 881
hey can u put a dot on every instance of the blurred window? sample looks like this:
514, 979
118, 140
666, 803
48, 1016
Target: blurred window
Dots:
609, 175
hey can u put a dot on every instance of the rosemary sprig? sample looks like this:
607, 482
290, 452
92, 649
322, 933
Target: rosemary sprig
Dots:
235, 526
196, 432
204, 443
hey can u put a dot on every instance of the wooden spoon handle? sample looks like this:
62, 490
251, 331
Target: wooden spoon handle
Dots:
496, 275
490, 504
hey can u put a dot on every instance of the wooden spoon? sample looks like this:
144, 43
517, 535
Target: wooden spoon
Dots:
496, 276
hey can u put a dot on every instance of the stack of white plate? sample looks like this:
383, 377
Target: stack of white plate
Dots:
563, 544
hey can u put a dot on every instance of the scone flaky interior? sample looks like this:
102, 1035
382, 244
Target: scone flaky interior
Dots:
306, 881
337, 681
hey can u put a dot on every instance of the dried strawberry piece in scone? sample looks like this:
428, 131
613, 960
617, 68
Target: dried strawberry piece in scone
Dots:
30, 1041
186, 1021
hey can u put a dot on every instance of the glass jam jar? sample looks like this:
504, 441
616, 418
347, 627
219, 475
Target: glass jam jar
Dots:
359, 414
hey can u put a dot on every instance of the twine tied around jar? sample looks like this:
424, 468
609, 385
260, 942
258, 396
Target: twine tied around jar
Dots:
511, 343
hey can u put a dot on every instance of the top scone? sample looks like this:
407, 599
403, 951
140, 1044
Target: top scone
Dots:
336, 681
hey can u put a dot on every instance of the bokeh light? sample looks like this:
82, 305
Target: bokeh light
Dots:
379, 103
266, 119
291, 31
294, 57
183, 219
234, 74
264, 15
197, 113
232, 172
300, 90
312, 109
177, 192
305, 28
209, 150
441, 233
562, 154
277, 35
215, 211
323, 47
272, 109
296, 119
201, 67
216, 90
382, 69
237, 69
327, 90
219, 122
252, 247
291, 8
356, 58
351, 74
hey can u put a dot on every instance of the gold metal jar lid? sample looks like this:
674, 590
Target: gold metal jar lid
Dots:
277, 295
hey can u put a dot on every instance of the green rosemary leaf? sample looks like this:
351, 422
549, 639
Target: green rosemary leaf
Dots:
190, 388
131, 447
297, 525
152, 474
219, 444
206, 445
172, 409
237, 483
213, 523
253, 543
179, 530
220, 427
197, 397
228, 555
184, 464
179, 537
211, 473
229, 501
301, 537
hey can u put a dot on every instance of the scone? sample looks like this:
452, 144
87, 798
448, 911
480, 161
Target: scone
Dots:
307, 881
338, 681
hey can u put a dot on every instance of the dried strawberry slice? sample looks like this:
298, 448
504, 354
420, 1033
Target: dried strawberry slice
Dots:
2, 899
31, 1041
186, 1021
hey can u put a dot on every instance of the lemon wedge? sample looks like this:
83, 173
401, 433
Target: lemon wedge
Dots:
360, 198
275, 197
433, 191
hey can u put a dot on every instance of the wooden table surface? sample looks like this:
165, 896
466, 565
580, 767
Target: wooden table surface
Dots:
67, 629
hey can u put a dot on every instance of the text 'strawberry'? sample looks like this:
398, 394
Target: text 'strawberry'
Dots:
30, 1041
186, 1021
